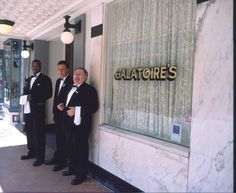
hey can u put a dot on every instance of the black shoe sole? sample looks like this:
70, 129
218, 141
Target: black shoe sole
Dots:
49, 162
68, 174
78, 181
58, 168
25, 157
37, 163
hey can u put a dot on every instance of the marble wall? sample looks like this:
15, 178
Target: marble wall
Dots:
211, 142
150, 165
93, 63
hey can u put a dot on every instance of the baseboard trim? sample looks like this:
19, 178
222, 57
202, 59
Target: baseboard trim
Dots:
201, 1
109, 180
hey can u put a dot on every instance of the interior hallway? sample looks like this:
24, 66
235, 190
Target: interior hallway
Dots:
17, 175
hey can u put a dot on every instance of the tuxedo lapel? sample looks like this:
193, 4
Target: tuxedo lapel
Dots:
73, 98
67, 79
37, 81
78, 96
65, 86
57, 86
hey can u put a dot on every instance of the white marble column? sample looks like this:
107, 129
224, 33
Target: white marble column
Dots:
211, 142
93, 64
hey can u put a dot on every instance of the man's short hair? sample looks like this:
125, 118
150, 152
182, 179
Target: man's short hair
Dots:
81, 68
63, 62
37, 61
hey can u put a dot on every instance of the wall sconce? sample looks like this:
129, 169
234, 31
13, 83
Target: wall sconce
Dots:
6, 25
67, 37
25, 53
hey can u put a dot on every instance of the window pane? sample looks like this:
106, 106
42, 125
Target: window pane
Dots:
158, 35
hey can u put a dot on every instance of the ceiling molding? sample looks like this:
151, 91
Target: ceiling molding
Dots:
52, 29
42, 20
13, 35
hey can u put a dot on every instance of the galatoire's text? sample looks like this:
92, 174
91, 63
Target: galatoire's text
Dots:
168, 72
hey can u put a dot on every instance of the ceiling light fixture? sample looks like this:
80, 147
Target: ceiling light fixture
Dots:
25, 53
6, 25
67, 37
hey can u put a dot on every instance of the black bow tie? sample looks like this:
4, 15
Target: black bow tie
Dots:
75, 86
33, 76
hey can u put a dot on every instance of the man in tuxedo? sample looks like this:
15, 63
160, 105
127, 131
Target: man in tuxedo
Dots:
81, 102
38, 89
63, 86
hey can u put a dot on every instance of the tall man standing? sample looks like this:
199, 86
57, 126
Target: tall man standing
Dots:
81, 102
63, 86
38, 89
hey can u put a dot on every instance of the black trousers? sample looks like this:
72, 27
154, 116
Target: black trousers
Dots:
60, 155
78, 150
35, 133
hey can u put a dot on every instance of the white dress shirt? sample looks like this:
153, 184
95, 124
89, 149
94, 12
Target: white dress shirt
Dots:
33, 79
61, 83
73, 89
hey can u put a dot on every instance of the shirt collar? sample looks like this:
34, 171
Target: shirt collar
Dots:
74, 85
36, 75
63, 79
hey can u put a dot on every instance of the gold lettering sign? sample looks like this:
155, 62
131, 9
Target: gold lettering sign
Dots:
168, 72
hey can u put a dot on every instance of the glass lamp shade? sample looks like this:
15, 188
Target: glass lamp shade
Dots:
67, 37
25, 54
6, 25
4, 28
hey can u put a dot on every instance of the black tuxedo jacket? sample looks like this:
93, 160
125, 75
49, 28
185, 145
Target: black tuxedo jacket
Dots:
86, 97
40, 92
61, 96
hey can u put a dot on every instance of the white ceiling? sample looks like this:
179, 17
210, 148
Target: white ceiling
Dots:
39, 19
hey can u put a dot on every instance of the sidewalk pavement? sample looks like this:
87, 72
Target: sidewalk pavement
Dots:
18, 175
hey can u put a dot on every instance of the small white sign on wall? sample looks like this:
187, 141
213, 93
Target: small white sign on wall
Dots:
176, 132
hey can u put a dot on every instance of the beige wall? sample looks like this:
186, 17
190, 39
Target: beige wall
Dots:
56, 53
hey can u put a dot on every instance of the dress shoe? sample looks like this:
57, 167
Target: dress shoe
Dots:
50, 162
37, 163
78, 180
58, 167
68, 173
24, 157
